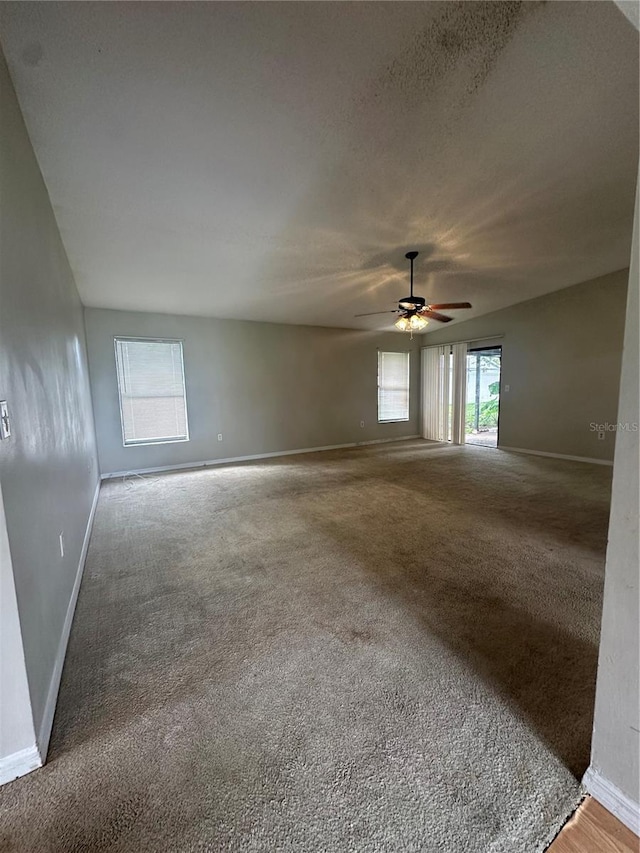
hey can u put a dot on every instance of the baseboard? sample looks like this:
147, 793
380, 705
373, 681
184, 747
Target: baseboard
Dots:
54, 685
19, 764
256, 456
385, 440
589, 459
612, 798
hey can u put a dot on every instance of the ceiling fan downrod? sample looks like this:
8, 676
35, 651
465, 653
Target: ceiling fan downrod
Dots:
411, 256
411, 303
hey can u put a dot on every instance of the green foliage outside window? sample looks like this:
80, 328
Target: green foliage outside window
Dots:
488, 414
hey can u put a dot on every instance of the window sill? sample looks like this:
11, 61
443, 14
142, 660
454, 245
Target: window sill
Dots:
159, 441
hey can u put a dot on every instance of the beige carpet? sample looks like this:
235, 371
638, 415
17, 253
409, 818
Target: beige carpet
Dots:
389, 648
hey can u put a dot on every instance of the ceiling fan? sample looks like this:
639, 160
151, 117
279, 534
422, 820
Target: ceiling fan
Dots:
414, 311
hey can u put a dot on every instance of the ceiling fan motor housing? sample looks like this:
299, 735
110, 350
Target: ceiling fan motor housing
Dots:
412, 303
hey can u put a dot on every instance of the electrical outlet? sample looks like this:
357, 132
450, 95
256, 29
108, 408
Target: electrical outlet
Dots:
507, 388
5, 423
219, 436
61, 540
601, 435
362, 424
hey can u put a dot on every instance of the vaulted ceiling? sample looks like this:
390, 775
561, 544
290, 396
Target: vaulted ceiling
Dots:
274, 161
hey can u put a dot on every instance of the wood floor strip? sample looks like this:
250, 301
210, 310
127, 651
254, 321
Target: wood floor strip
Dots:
593, 829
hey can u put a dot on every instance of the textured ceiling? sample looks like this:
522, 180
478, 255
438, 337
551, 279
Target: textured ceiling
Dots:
276, 160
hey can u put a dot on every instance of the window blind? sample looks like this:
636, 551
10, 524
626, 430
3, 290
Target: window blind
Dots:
436, 414
151, 386
393, 386
444, 384
459, 408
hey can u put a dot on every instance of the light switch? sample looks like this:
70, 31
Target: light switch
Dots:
507, 388
5, 423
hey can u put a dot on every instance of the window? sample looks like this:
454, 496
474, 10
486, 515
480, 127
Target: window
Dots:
393, 386
153, 406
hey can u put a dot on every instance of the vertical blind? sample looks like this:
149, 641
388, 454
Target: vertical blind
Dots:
435, 393
444, 392
151, 387
459, 406
393, 386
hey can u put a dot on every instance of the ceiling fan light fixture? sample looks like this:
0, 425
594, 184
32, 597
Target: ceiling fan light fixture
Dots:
411, 323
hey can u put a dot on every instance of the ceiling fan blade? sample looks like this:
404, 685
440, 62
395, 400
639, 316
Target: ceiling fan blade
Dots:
371, 313
435, 316
451, 305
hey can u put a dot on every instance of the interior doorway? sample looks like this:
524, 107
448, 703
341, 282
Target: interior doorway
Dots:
482, 413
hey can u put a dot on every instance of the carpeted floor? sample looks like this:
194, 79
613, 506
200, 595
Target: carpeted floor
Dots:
389, 648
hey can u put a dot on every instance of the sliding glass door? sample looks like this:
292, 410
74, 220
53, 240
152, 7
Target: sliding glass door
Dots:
483, 396
461, 394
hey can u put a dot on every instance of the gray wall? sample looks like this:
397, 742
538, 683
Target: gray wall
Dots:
616, 740
48, 468
265, 387
561, 357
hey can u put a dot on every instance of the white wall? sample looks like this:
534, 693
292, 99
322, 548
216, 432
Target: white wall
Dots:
561, 356
17, 734
614, 776
48, 468
265, 387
